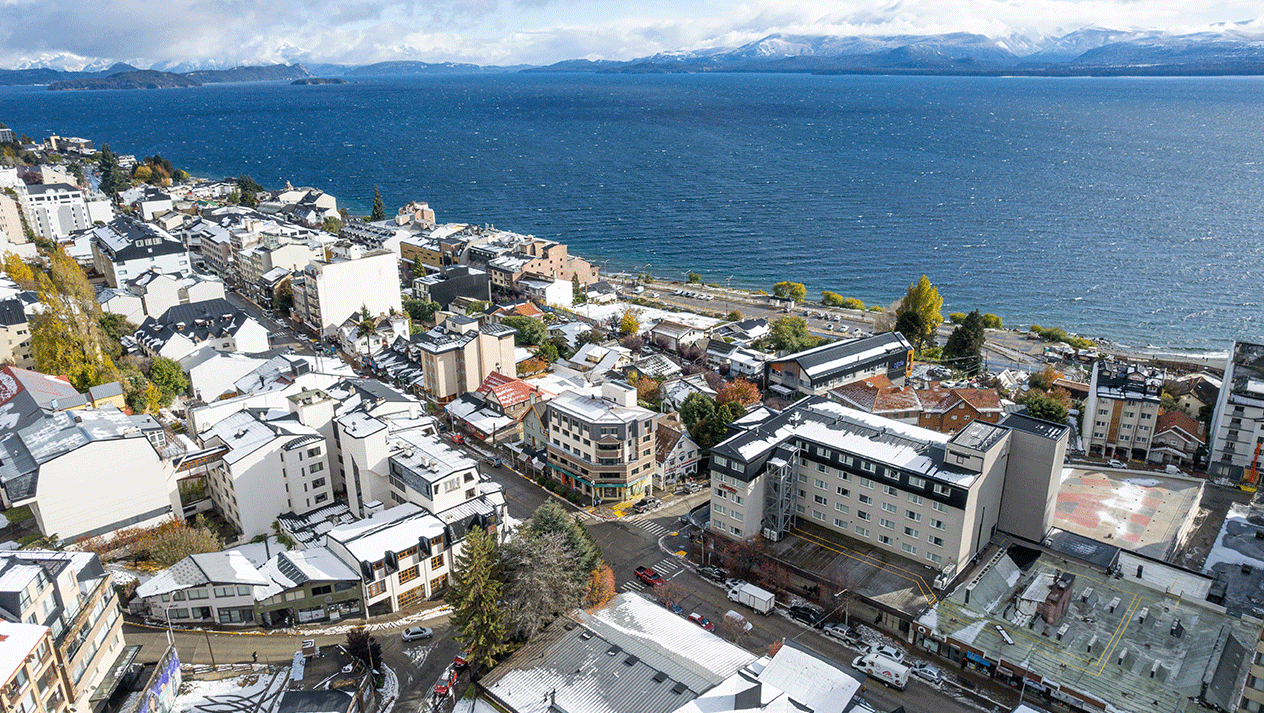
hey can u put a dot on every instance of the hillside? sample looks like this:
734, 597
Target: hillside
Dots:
139, 79
268, 73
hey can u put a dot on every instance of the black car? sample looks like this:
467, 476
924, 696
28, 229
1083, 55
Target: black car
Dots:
807, 615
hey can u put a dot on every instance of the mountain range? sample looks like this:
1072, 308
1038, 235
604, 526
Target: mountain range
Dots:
1224, 49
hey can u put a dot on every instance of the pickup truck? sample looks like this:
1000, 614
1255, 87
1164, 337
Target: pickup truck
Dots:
649, 576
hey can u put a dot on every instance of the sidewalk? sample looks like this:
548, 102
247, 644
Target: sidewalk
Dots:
377, 623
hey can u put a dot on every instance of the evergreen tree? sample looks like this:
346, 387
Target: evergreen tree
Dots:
964, 348
247, 187
475, 595
113, 178
550, 518
379, 208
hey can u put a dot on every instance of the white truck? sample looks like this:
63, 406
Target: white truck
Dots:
884, 669
761, 600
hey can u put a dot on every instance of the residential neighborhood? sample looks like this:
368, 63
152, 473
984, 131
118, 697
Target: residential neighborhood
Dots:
477, 470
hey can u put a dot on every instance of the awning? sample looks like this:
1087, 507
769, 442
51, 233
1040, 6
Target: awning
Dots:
116, 673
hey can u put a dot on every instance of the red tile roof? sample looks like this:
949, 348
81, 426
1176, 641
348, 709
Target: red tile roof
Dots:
509, 391
1172, 420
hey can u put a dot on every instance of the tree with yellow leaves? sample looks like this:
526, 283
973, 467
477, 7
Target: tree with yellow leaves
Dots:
66, 336
19, 271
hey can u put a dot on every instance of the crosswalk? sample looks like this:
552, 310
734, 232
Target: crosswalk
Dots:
651, 527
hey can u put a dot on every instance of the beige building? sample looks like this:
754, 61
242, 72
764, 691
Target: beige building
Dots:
458, 355
540, 258
11, 220
914, 492
15, 334
603, 447
72, 595
28, 670
1123, 407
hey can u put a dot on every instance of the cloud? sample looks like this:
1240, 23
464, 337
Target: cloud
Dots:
529, 31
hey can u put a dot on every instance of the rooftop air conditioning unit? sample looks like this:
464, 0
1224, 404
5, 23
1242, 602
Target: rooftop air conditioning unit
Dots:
771, 535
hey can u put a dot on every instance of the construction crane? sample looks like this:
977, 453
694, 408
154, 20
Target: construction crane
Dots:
1251, 476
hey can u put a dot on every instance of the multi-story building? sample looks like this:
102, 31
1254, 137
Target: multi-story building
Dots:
676, 455
814, 371
453, 282
539, 258
212, 587
29, 682
908, 490
54, 211
89, 472
15, 334
184, 328
289, 252
269, 463
602, 447
404, 556
1237, 428
11, 220
1122, 411
1176, 441
327, 291
307, 585
72, 595
126, 247
936, 408
458, 355
152, 293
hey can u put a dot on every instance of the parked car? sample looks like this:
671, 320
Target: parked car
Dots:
730, 584
927, 671
649, 576
887, 651
702, 621
682, 490
458, 438
695, 487
1114, 463
841, 632
647, 504
807, 615
715, 574
461, 660
416, 633
675, 608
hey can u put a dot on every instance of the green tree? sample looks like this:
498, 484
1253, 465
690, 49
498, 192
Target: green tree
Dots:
331, 225
734, 316
918, 315
177, 540
420, 311
476, 307
418, 269
1043, 406
831, 299
167, 375
964, 348
991, 321
592, 336
790, 334
531, 331
552, 518
790, 291
475, 595
247, 188
694, 278
113, 179
540, 581
957, 317
549, 352
369, 330
66, 336
696, 409
360, 645
379, 208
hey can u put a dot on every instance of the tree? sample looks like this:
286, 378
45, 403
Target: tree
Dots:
551, 518
957, 317
19, 271
476, 307
475, 594
694, 278
1043, 406
601, 587
167, 375
176, 540
696, 409
541, 580
367, 327
734, 316
113, 179
66, 335
738, 391
420, 311
592, 336
531, 331
917, 316
790, 334
991, 321
633, 343
790, 291
379, 208
964, 348
647, 389
360, 645
549, 352
333, 225
630, 323
1043, 380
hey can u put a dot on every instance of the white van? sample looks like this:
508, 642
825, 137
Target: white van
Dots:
895, 675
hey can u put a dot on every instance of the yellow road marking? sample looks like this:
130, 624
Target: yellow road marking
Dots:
922, 587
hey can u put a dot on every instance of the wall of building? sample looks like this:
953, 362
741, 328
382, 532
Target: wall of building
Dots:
1032, 480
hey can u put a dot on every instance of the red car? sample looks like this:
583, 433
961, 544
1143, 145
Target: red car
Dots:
446, 682
702, 621
458, 438
649, 576
463, 659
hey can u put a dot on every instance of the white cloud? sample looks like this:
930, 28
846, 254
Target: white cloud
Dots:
529, 31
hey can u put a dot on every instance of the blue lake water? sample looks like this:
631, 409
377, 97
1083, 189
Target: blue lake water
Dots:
1120, 207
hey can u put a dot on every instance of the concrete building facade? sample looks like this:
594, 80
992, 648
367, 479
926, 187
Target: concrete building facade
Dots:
1237, 428
602, 447
1122, 411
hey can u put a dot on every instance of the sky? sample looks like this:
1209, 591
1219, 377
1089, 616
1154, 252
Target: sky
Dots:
507, 32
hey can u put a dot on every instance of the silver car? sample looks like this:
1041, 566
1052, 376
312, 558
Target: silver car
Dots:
416, 633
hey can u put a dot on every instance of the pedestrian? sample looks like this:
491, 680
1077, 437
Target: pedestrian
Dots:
254, 657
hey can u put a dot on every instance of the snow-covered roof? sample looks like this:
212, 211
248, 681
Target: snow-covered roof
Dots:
199, 570
17, 641
392, 530
293, 568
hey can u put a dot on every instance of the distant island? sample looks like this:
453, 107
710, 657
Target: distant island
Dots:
319, 80
138, 79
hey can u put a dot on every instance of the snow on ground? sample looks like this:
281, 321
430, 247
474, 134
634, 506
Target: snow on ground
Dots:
647, 315
4, 521
230, 694
122, 574
10, 545
389, 690
257, 553
418, 654
339, 629
1144, 482
1220, 552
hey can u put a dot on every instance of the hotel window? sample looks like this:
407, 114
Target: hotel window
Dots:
908, 548
844, 475
916, 482
862, 531
889, 507
866, 482
736, 515
377, 588
936, 541
867, 466
408, 575
722, 494
864, 499
861, 514
818, 515
915, 499
937, 524
718, 509
819, 500
436, 562
889, 524
942, 489
820, 484
914, 516
911, 532
820, 467
799, 509
840, 507
839, 523
737, 499
803, 493
890, 490
934, 557
939, 506
884, 539
843, 491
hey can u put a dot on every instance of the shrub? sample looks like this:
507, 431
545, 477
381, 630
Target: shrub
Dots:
852, 303
957, 317
991, 321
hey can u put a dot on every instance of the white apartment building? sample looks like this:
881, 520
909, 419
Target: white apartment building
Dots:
124, 248
602, 447
911, 491
89, 472
1237, 429
72, 595
270, 463
182, 329
404, 556
11, 221
54, 211
15, 334
213, 587
1123, 405
327, 291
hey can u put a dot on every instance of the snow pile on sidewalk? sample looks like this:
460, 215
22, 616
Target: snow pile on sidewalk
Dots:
258, 692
